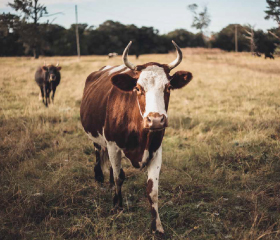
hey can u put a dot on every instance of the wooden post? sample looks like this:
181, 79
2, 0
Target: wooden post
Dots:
236, 39
252, 41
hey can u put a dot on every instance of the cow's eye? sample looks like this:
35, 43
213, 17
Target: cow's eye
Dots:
169, 87
137, 89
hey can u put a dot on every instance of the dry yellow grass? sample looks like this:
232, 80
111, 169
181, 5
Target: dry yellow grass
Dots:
221, 169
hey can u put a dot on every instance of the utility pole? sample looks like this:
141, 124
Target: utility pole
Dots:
236, 39
251, 38
252, 41
77, 33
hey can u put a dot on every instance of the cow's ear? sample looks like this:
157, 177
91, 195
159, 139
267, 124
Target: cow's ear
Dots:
180, 79
124, 82
58, 68
45, 68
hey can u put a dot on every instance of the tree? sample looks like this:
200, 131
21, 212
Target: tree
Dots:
185, 38
250, 35
225, 39
182, 37
265, 42
200, 20
9, 37
30, 33
273, 10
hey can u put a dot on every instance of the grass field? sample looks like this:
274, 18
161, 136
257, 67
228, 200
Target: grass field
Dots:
220, 177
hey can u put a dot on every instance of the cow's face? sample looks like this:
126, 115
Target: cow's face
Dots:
151, 83
51, 72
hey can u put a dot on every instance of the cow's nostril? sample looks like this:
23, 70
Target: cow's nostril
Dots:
162, 119
149, 120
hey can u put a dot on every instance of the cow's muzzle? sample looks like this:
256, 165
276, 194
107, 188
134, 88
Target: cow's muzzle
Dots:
155, 122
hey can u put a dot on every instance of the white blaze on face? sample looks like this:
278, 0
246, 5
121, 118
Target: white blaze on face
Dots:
153, 79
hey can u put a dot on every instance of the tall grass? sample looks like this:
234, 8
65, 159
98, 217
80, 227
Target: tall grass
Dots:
221, 171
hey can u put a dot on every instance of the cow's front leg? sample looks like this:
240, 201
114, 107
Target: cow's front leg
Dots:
152, 190
46, 95
118, 174
41, 95
53, 93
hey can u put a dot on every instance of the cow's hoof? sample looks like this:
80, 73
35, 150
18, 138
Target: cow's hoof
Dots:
99, 178
159, 234
116, 210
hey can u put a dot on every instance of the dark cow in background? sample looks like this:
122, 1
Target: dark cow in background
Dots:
110, 55
124, 112
256, 54
268, 55
48, 78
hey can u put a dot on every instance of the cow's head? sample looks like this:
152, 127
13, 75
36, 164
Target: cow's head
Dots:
152, 84
51, 72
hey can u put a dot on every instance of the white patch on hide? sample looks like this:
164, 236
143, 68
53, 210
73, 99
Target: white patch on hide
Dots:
153, 174
115, 156
116, 69
153, 79
145, 157
107, 67
99, 140
126, 70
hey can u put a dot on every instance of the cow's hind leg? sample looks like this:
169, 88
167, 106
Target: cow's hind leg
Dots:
98, 169
46, 94
152, 190
118, 174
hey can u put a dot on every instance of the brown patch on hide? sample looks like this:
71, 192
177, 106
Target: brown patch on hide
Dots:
164, 66
149, 190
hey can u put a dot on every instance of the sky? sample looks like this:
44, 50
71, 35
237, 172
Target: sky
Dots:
164, 15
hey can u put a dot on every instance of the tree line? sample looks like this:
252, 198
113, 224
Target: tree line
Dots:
109, 37
23, 35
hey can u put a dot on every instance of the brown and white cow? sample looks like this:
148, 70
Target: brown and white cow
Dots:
124, 112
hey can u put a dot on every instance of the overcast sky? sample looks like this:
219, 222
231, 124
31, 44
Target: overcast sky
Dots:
164, 15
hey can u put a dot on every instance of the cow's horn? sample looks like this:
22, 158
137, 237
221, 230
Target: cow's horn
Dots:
57, 64
124, 56
179, 58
